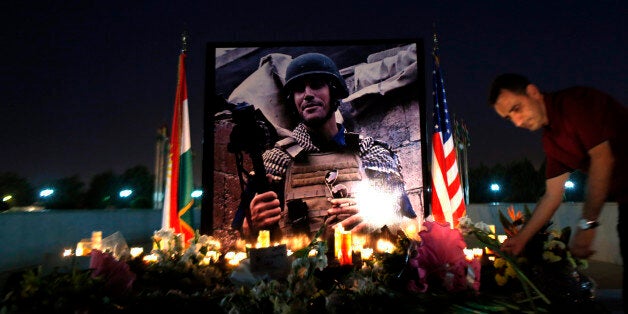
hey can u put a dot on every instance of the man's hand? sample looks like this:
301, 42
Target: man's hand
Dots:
581, 244
265, 210
513, 245
345, 212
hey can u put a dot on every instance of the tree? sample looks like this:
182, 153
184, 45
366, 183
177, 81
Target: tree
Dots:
68, 194
20, 190
524, 183
103, 190
518, 182
140, 180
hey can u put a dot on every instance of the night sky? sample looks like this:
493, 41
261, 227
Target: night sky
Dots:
86, 84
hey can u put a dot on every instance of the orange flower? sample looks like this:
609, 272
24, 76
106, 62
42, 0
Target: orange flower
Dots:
514, 216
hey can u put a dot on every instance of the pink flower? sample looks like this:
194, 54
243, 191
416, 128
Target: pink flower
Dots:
418, 281
117, 275
440, 259
440, 245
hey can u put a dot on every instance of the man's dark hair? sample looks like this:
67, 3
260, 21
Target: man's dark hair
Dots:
515, 83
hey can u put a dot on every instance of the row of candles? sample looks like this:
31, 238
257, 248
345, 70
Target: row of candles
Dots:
345, 244
470, 254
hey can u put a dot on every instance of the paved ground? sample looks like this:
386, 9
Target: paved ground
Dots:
608, 278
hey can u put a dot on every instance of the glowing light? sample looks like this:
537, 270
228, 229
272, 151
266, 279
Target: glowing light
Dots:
67, 252
570, 185
151, 258
7, 198
501, 238
478, 252
46, 192
136, 251
234, 258
366, 253
263, 239
197, 193
213, 255
468, 254
495, 187
126, 193
385, 246
377, 206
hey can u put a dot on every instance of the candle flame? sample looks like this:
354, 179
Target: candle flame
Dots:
385, 246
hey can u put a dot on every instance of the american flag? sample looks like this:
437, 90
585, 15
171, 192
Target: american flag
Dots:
447, 197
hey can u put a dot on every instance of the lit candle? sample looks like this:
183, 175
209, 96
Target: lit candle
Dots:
366, 253
345, 248
384, 246
337, 240
263, 238
96, 240
67, 252
151, 258
213, 255
501, 238
492, 228
477, 252
468, 254
136, 251
80, 251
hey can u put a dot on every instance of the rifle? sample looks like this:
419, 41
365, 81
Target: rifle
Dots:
253, 134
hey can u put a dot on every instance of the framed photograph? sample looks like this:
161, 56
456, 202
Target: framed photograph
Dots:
386, 102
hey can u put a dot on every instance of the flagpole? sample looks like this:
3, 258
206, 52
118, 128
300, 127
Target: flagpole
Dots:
448, 203
178, 203
184, 41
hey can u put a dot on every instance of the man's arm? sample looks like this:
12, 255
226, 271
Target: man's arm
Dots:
545, 209
599, 180
598, 185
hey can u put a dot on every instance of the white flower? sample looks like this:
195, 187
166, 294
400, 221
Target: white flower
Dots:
465, 221
165, 233
483, 226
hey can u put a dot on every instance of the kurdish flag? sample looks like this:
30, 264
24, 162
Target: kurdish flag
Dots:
178, 201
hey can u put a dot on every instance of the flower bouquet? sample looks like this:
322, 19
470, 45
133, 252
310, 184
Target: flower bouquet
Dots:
545, 270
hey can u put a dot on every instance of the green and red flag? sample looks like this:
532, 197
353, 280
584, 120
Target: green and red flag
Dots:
178, 201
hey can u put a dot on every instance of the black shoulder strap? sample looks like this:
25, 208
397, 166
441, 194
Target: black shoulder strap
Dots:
290, 146
352, 140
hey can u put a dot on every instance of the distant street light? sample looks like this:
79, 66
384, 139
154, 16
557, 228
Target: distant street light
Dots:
126, 193
197, 193
6, 198
570, 185
569, 188
46, 192
495, 189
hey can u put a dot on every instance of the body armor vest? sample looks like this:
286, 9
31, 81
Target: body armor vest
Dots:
306, 194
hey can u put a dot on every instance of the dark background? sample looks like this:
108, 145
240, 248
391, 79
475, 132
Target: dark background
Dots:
86, 84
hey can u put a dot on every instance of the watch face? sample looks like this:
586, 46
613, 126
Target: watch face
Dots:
585, 225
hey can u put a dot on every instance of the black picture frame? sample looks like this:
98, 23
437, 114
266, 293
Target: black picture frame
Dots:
226, 71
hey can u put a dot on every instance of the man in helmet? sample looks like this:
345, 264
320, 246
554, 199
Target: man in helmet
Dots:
320, 167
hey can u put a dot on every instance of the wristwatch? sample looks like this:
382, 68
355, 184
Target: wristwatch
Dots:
587, 224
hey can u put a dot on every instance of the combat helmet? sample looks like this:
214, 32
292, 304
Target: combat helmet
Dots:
315, 63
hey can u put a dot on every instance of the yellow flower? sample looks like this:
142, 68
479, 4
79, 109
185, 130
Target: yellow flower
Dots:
510, 271
500, 279
554, 244
551, 257
499, 262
